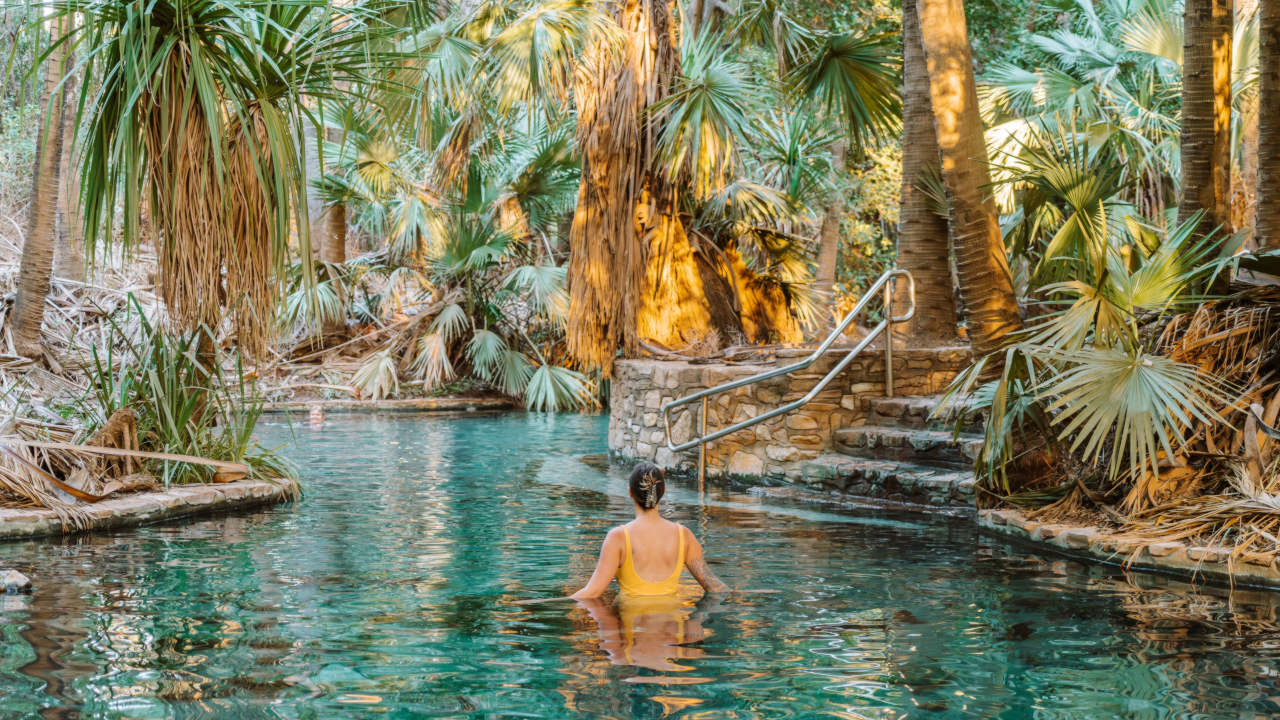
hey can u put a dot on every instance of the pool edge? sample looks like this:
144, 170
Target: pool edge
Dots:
1199, 564
142, 508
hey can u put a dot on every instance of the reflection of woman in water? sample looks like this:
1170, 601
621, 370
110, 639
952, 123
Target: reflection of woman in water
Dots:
648, 555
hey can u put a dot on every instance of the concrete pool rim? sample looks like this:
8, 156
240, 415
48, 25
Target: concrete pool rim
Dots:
179, 501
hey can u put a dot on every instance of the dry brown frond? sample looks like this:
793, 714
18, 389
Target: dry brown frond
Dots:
216, 224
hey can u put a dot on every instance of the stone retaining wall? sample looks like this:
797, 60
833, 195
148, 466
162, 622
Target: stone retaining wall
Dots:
140, 508
641, 387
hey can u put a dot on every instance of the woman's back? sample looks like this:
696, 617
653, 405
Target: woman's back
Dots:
647, 554
653, 557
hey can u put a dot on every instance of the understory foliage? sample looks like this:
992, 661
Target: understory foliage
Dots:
180, 404
1129, 394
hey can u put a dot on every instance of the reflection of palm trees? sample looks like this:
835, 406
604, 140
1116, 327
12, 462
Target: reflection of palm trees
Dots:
52, 632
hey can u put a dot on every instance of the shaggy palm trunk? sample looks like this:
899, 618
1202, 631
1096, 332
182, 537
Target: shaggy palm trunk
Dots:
1206, 113
922, 234
986, 285
216, 227
1268, 203
633, 275
68, 256
829, 239
37, 250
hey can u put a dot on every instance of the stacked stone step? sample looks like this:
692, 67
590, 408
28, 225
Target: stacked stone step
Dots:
903, 450
935, 448
916, 412
889, 481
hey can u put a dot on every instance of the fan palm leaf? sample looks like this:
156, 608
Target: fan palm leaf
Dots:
856, 79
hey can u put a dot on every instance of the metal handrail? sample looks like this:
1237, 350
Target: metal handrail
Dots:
883, 283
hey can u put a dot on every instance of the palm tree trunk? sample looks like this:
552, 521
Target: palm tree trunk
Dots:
829, 239
986, 285
333, 222
333, 234
922, 235
68, 255
1206, 112
1267, 233
37, 250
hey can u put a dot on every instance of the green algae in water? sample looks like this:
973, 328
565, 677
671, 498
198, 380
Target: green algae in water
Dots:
388, 593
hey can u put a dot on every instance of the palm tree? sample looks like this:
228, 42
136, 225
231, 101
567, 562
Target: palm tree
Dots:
923, 241
68, 255
38, 248
1206, 111
1268, 213
853, 76
652, 125
211, 131
986, 284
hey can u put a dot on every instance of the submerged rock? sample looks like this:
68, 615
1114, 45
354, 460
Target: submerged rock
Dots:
14, 582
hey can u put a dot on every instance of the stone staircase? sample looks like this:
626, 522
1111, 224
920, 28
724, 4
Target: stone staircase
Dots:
849, 440
897, 452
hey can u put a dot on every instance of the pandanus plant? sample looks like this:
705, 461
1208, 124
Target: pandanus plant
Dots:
198, 122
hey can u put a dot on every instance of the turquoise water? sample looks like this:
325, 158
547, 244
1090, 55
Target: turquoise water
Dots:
388, 593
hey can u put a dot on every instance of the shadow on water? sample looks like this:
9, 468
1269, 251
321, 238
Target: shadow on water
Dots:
389, 590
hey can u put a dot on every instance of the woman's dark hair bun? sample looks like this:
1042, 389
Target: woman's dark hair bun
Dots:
648, 483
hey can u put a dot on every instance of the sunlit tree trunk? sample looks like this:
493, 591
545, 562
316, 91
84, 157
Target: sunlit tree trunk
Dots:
333, 238
1206, 112
922, 235
986, 285
37, 250
68, 256
1244, 174
1268, 225
633, 274
333, 222
829, 238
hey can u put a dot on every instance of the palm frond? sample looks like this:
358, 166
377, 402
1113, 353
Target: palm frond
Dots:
856, 79
378, 377
552, 388
485, 352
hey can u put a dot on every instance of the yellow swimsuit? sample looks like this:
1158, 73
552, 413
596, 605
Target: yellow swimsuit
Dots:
632, 584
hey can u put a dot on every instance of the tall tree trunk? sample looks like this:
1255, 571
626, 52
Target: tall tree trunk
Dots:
1267, 233
1206, 112
922, 235
333, 234
633, 274
333, 222
1243, 203
829, 239
68, 255
986, 285
37, 251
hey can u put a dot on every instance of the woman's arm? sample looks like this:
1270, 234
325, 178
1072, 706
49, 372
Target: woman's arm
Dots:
606, 567
697, 564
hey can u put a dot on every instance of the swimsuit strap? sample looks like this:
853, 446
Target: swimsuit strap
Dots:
626, 536
679, 550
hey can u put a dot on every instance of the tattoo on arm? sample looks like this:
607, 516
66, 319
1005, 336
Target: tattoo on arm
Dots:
698, 568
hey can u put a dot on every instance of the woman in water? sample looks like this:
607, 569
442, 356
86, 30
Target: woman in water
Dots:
649, 547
